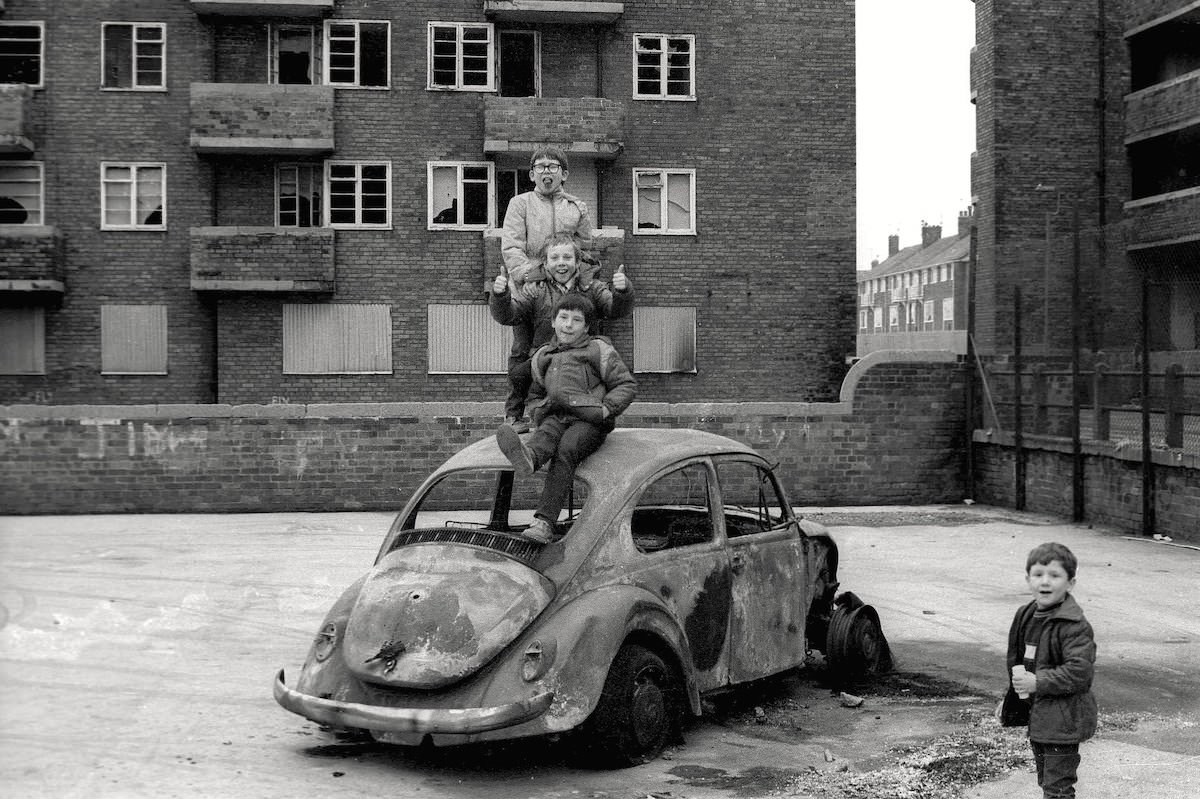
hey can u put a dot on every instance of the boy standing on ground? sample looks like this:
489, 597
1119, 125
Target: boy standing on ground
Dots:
530, 220
580, 387
1051, 658
531, 310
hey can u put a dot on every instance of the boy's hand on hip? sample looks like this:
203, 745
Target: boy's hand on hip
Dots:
500, 284
620, 282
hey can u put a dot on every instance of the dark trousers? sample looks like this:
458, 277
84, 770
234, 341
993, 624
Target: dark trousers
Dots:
520, 380
1057, 766
563, 441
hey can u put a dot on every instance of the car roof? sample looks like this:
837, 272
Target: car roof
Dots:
628, 451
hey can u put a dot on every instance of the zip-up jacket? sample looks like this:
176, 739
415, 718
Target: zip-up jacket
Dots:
529, 222
518, 308
581, 380
1063, 709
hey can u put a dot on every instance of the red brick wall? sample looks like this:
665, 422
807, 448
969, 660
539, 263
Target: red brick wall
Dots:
896, 438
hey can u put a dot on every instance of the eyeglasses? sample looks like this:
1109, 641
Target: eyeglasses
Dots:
547, 168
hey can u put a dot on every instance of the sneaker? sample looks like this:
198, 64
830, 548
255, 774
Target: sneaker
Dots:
541, 531
515, 450
520, 425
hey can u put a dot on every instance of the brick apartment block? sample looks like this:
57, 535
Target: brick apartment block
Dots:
243, 201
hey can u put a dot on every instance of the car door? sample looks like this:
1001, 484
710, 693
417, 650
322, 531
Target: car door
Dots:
680, 559
767, 569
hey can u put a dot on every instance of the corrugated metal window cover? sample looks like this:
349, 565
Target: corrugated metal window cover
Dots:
22, 341
346, 339
664, 339
133, 339
465, 339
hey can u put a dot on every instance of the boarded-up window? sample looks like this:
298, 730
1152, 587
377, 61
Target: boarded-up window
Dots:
664, 339
22, 341
341, 339
133, 339
464, 339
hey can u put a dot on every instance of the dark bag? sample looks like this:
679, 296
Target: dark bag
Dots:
1013, 711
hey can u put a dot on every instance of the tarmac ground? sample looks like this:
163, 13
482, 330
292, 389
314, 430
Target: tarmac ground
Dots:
137, 653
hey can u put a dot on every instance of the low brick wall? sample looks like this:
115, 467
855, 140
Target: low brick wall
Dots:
1112, 482
896, 436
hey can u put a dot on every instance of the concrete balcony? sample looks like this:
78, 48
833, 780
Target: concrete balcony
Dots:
1163, 219
263, 259
589, 126
263, 8
1162, 108
1149, 13
554, 12
32, 260
15, 133
261, 118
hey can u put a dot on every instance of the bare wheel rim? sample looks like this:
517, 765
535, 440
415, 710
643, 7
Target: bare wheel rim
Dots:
648, 706
867, 642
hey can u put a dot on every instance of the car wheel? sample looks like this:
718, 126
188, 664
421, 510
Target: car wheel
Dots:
638, 712
856, 647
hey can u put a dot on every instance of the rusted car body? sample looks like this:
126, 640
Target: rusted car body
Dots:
680, 571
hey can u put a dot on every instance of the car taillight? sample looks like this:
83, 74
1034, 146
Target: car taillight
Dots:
538, 658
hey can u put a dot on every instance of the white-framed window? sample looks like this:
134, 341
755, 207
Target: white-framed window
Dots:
519, 63
21, 193
664, 201
360, 193
22, 341
864, 318
664, 339
928, 312
23, 53
462, 56
948, 313
134, 56
878, 316
893, 315
357, 53
465, 340
461, 195
133, 196
294, 54
911, 319
298, 195
664, 67
133, 339
337, 339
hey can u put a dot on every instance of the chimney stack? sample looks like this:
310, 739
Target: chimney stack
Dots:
965, 218
930, 234
893, 244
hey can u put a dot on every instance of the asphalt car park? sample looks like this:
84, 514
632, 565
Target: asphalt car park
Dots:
137, 657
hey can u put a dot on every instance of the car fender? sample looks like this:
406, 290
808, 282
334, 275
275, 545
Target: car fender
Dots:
587, 633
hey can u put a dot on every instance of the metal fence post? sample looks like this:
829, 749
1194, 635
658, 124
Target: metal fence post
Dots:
1173, 400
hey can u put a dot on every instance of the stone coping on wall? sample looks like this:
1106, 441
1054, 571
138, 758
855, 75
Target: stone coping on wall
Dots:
1118, 450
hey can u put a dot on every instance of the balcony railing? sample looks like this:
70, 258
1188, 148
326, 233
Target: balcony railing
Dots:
261, 118
263, 259
1163, 107
560, 12
32, 259
263, 8
1164, 218
16, 135
592, 126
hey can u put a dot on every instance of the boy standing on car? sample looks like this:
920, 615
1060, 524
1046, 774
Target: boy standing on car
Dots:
580, 387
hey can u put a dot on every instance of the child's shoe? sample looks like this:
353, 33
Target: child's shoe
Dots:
541, 531
519, 455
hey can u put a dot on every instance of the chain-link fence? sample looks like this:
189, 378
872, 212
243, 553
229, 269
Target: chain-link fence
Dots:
1100, 355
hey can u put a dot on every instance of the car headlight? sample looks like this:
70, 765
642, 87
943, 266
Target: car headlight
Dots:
537, 659
325, 642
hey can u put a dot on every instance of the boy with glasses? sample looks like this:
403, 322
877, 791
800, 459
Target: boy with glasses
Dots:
531, 219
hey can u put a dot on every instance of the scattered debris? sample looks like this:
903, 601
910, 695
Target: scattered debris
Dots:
849, 700
760, 715
829, 758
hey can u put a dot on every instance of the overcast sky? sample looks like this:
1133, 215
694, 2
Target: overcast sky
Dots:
916, 124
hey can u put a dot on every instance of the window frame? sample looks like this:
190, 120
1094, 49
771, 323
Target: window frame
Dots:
40, 182
471, 335
291, 325
664, 173
358, 164
664, 68
134, 27
928, 312
318, 176
41, 41
134, 166
431, 211
459, 86
35, 318
327, 54
316, 43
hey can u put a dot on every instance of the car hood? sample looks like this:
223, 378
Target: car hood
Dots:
431, 614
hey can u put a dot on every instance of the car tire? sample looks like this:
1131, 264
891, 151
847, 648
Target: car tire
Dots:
856, 648
638, 713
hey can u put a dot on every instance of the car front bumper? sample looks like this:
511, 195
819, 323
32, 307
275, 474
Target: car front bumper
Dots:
410, 720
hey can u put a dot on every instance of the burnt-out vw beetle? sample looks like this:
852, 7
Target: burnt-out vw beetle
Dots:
679, 570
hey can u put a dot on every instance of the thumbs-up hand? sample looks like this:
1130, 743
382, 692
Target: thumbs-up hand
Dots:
500, 284
619, 281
